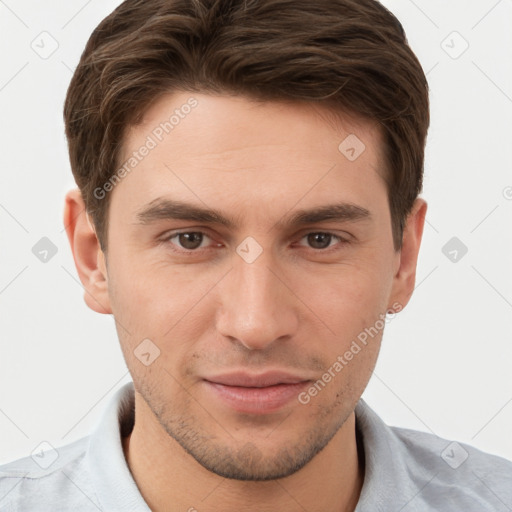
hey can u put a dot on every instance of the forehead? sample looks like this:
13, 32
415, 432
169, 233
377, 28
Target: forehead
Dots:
204, 144
246, 119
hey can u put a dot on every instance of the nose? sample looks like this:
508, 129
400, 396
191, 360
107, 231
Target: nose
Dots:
257, 304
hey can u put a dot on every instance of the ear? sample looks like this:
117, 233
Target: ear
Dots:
405, 276
89, 258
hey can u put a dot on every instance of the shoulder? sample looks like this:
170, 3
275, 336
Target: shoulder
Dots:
430, 472
32, 482
457, 471
455, 454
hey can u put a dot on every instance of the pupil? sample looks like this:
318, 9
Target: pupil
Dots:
187, 240
313, 239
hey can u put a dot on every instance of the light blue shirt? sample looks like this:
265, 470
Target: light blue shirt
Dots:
405, 470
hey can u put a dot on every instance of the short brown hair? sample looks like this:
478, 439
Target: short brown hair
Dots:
350, 55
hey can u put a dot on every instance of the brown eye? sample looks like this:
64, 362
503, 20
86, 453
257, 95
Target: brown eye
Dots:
186, 240
190, 240
319, 240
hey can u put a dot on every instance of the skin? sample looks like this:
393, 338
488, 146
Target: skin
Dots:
295, 308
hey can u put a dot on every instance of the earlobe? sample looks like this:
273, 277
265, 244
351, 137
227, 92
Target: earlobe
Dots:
89, 259
405, 278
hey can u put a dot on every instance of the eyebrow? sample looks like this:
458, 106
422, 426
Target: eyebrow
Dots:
167, 209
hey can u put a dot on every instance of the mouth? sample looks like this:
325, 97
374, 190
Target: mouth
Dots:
256, 394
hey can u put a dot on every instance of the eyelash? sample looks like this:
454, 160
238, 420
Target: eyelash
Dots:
170, 236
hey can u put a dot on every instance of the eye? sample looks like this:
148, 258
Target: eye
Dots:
187, 240
321, 240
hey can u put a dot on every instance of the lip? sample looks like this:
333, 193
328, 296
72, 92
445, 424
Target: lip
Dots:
260, 380
255, 394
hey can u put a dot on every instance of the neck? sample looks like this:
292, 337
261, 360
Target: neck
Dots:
171, 480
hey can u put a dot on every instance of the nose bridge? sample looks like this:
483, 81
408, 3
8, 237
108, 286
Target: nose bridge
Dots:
257, 308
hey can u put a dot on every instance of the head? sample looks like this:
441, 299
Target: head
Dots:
298, 128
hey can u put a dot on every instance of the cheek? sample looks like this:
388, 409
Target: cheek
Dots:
352, 305
347, 297
140, 288
159, 302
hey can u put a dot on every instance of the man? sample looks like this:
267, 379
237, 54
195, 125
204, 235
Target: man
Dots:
248, 212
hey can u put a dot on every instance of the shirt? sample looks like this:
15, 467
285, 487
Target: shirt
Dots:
405, 470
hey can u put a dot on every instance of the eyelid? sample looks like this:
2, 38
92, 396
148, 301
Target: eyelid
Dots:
344, 235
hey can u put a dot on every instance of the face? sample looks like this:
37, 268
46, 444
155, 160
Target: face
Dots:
245, 312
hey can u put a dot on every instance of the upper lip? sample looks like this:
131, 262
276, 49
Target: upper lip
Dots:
260, 380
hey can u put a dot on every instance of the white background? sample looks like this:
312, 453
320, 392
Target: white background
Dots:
445, 362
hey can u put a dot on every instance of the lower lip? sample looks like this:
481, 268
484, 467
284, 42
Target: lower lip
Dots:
256, 400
